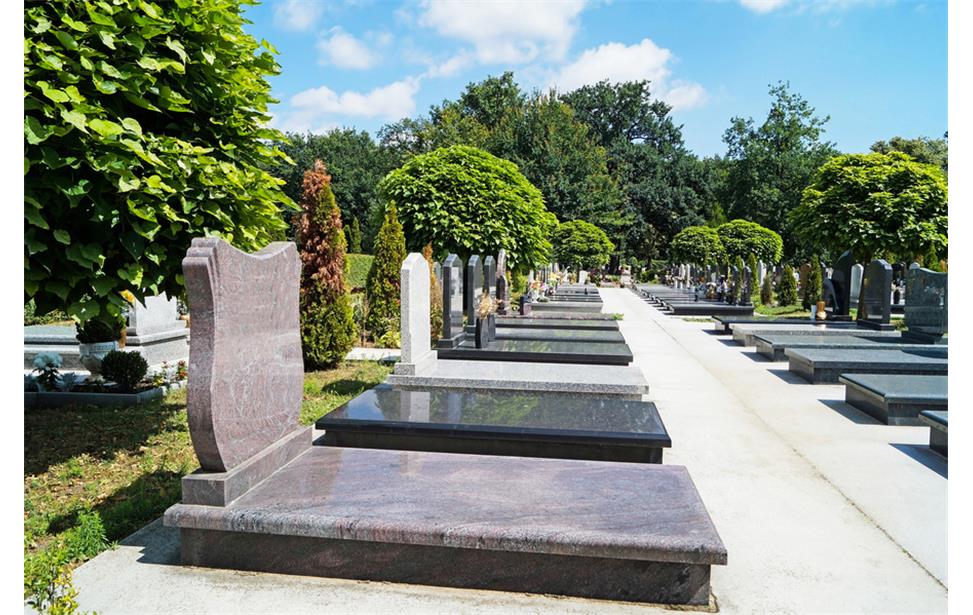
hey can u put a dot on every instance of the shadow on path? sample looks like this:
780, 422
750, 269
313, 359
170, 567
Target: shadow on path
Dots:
850, 412
926, 456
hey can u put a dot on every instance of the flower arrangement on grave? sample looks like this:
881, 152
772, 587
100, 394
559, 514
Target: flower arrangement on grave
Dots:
485, 319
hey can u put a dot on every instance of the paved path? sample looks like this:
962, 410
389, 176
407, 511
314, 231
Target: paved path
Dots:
821, 508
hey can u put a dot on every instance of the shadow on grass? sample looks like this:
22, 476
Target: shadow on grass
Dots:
926, 456
850, 412
54, 435
347, 387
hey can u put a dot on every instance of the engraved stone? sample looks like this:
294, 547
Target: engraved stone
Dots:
490, 276
875, 304
472, 287
414, 313
452, 301
926, 309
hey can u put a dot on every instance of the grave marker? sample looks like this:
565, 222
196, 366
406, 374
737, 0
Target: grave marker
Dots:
875, 305
414, 314
453, 297
927, 307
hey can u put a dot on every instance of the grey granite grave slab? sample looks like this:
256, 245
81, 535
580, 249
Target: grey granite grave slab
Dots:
472, 289
627, 382
51, 335
541, 351
566, 306
938, 422
581, 336
155, 330
723, 323
827, 365
746, 334
537, 322
773, 346
490, 276
517, 423
896, 399
705, 308
556, 314
453, 299
583, 528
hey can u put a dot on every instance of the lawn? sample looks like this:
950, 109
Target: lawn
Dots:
94, 475
782, 310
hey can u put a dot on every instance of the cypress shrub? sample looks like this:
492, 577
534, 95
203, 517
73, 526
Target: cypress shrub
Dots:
787, 287
754, 277
382, 285
812, 290
354, 237
327, 322
767, 290
435, 297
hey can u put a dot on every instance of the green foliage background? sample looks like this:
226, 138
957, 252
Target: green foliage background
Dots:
383, 283
743, 238
144, 128
581, 244
698, 244
357, 267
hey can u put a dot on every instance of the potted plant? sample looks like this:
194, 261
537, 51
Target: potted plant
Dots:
485, 311
98, 337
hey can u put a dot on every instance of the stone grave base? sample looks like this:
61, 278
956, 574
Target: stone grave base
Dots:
747, 334
896, 399
774, 347
703, 308
529, 322
825, 366
938, 422
536, 351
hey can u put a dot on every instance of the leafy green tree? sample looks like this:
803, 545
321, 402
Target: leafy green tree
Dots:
771, 164
144, 128
354, 237
920, 149
464, 200
878, 205
382, 286
811, 293
327, 318
700, 245
787, 287
743, 238
581, 244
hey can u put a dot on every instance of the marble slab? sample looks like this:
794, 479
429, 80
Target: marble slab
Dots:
536, 322
537, 351
774, 346
524, 424
747, 334
896, 399
585, 336
827, 365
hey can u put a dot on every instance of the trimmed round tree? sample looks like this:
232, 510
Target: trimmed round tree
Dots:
877, 205
581, 244
327, 319
700, 245
144, 127
464, 200
383, 282
743, 238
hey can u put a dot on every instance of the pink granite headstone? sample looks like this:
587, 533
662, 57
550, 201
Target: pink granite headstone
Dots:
246, 372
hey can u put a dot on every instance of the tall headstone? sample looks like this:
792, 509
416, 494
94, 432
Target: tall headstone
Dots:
841, 283
875, 304
490, 276
452, 333
582, 276
855, 286
472, 287
246, 372
156, 332
747, 294
927, 306
414, 308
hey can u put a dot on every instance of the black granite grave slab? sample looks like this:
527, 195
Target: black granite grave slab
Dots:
703, 308
896, 399
541, 352
875, 302
576, 298
927, 304
773, 346
722, 323
453, 331
746, 334
827, 365
537, 322
524, 424
566, 306
581, 336
938, 422
556, 314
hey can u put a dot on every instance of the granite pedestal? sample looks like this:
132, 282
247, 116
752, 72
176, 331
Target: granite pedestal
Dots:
723, 324
774, 346
938, 422
521, 424
896, 399
827, 365
536, 351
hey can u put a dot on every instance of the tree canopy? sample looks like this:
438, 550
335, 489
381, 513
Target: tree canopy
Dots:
144, 128
700, 245
920, 149
464, 200
581, 244
742, 238
877, 205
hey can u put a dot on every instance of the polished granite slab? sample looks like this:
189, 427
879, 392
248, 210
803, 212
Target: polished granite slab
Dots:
568, 315
896, 399
746, 334
537, 322
586, 336
585, 528
51, 334
566, 306
723, 323
826, 365
524, 424
938, 422
703, 308
773, 346
534, 351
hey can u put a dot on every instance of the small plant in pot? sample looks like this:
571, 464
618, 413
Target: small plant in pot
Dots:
98, 337
485, 315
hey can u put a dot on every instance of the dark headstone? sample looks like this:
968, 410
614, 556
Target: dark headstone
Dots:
841, 283
452, 301
501, 295
874, 305
926, 306
745, 297
490, 276
472, 287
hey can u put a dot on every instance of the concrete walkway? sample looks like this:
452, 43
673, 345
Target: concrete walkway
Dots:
821, 508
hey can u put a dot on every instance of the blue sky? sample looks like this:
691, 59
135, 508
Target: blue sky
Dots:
878, 68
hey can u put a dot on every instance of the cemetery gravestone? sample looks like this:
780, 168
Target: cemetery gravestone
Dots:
156, 332
927, 309
875, 305
490, 276
452, 302
841, 283
472, 288
414, 315
855, 286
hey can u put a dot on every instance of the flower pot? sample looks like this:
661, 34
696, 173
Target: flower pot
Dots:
92, 354
821, 314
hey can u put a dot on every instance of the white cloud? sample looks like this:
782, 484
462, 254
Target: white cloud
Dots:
449, 67
298, 15
762, 6
391, 101
343, 50
505, 31
617, 62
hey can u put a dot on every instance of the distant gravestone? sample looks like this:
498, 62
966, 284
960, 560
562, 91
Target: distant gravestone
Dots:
841, 283
856, 284
246, 372
156, 332
490, 276
747, 294
927, 306
437, 269
501, 295
452, 332
472, 287
875, 305
414, 315
582, 276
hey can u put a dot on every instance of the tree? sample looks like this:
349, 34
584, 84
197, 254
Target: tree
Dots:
920, 149
811, 293
743, 238
327, 320
697, 244
464, 200
771, 164
144, 128
383, 282
767, 289
354, 237
787, 287
581, 244
877, 205
435, 296
754, 275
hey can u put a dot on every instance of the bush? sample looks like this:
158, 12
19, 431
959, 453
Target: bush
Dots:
325, 345
358, 266
811, 293
31, 317
767, 290
581, 244
47, 366
126, 369
435, 297
695, 244
787, 287
99, 330
354, 236
382, 285
391, 339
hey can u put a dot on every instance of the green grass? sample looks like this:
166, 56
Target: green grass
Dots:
93, 475
782, 310
358, 266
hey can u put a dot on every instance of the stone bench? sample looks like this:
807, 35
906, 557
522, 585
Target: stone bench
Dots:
895, 399
825, 365
938, 421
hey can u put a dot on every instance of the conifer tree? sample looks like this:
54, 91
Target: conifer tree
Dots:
354, 237
382, 284
435, 297
812, 290
787, 287
767, 290
754, 277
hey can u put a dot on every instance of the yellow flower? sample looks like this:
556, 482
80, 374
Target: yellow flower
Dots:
128, 296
